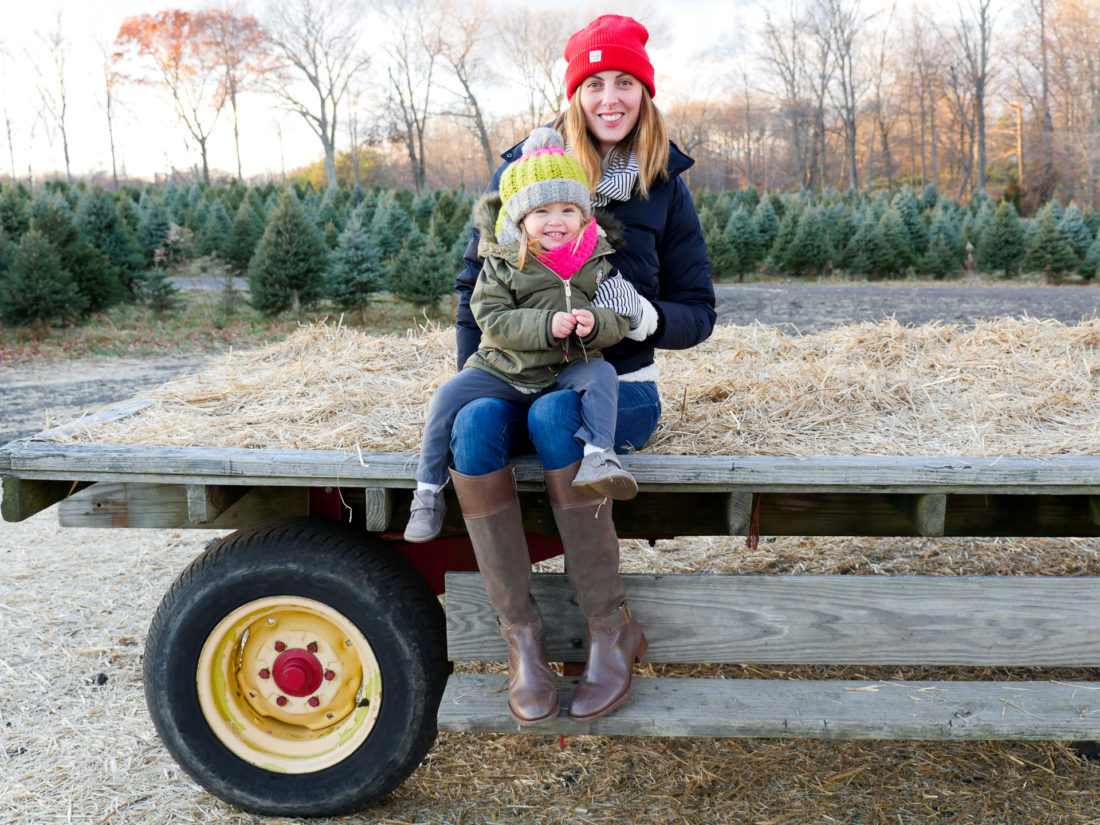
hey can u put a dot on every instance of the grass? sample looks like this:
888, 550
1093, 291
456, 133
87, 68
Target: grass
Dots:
203, 322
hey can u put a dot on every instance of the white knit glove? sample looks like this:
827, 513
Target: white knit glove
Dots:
619, 295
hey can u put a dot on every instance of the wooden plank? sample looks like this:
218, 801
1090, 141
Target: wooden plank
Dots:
113, 504
925, 512
828, 709
919, 620
738, 513
1063, 475
24, 497
378, 508
205, 502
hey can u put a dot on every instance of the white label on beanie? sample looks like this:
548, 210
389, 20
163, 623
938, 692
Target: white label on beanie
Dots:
595, 56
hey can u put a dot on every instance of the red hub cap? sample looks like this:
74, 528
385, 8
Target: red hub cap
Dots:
297, 672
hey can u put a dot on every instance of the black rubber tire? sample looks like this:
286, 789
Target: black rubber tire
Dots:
374, 588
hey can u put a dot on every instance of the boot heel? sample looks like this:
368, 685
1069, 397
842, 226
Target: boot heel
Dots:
643, 646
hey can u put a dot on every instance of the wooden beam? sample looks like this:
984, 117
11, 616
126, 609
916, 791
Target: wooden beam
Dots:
827, 709
112, 504
893, 620
926, 512
205, 502
1062, 475
378, 507
25, 497
738, 513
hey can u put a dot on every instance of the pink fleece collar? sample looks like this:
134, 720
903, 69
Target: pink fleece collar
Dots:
566, 260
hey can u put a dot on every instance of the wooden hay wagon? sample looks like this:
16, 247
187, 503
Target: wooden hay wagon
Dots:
303, 664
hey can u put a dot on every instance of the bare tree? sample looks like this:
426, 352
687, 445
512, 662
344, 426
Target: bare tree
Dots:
112, 80
973, 32
786, 56
5, 94
414, 51
462, 49
317, 41
841, 25
49, 69
532, 44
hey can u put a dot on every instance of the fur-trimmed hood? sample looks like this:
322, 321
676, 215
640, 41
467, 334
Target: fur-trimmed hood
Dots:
488, 207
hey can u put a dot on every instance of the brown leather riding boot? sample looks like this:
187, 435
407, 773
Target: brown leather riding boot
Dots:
532, 697
615, 639
490, 508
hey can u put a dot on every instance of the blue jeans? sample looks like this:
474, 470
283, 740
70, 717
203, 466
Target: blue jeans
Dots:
488, 431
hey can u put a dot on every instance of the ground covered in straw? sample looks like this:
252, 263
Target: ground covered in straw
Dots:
1003, 387
76, 743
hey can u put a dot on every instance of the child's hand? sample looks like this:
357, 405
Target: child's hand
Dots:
562, 324
585, 322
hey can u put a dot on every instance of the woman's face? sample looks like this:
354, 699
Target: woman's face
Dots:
611, 102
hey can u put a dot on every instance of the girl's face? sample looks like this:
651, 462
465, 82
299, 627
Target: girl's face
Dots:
553, 224
611, 102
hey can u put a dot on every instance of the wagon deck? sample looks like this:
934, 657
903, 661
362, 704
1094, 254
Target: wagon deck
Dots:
1012, 621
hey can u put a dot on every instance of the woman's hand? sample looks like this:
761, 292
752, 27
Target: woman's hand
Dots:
562, 324
585, 322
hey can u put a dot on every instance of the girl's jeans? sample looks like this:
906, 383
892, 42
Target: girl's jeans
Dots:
488, 431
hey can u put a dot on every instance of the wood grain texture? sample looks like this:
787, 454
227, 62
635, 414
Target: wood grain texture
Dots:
800, 709
893, 620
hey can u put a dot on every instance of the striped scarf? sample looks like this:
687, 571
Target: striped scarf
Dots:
618, 179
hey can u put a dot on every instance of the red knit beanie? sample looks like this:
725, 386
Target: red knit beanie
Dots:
610, 42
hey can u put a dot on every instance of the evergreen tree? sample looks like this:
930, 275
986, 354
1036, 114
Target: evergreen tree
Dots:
909, 211
1090, 267
287, 271
157, 292
389, 226
101, 226
37, 289
942, 258
788, 228
1051, 251
766, 222
897, 238
741, 233
128, 213
216, 230
1091, 219
153, 229
421, 209
724, 263
421, 273
1002, 244
809, 251
929, 197
355, 271
244, 233
96, 279
869, 254
1076, 231
14, 212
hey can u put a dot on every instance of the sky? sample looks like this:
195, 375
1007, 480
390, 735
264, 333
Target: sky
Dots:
149, 139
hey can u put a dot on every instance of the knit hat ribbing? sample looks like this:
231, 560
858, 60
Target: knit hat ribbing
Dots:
610, 42
544, 174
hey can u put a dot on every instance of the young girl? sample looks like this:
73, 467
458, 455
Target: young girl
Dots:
544, 260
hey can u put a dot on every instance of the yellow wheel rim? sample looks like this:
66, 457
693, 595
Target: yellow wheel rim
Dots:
289, 684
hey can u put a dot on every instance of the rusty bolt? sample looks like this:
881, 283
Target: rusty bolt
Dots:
280, 647
329, 675
281, 701
265, 673
312, 647
314, 701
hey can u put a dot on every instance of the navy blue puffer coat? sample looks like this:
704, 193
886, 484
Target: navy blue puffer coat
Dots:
663, 255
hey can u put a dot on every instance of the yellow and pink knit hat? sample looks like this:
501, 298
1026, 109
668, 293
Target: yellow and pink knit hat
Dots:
544, 174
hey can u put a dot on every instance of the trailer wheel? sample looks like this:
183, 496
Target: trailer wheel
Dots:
295, 668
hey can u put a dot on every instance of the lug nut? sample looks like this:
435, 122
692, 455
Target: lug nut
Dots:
280, 647
312, 647
313, 701
281, 701
329, 675
265, 673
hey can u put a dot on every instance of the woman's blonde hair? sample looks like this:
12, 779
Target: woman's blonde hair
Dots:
648, 140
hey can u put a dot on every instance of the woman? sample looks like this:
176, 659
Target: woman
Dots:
615, 131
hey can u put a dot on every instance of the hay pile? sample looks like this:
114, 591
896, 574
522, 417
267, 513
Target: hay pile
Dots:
1001, 387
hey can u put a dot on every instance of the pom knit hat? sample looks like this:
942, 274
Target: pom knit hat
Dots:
544, 174
610, 42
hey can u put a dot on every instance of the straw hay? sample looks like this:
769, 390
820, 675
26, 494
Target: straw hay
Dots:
1012, 386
